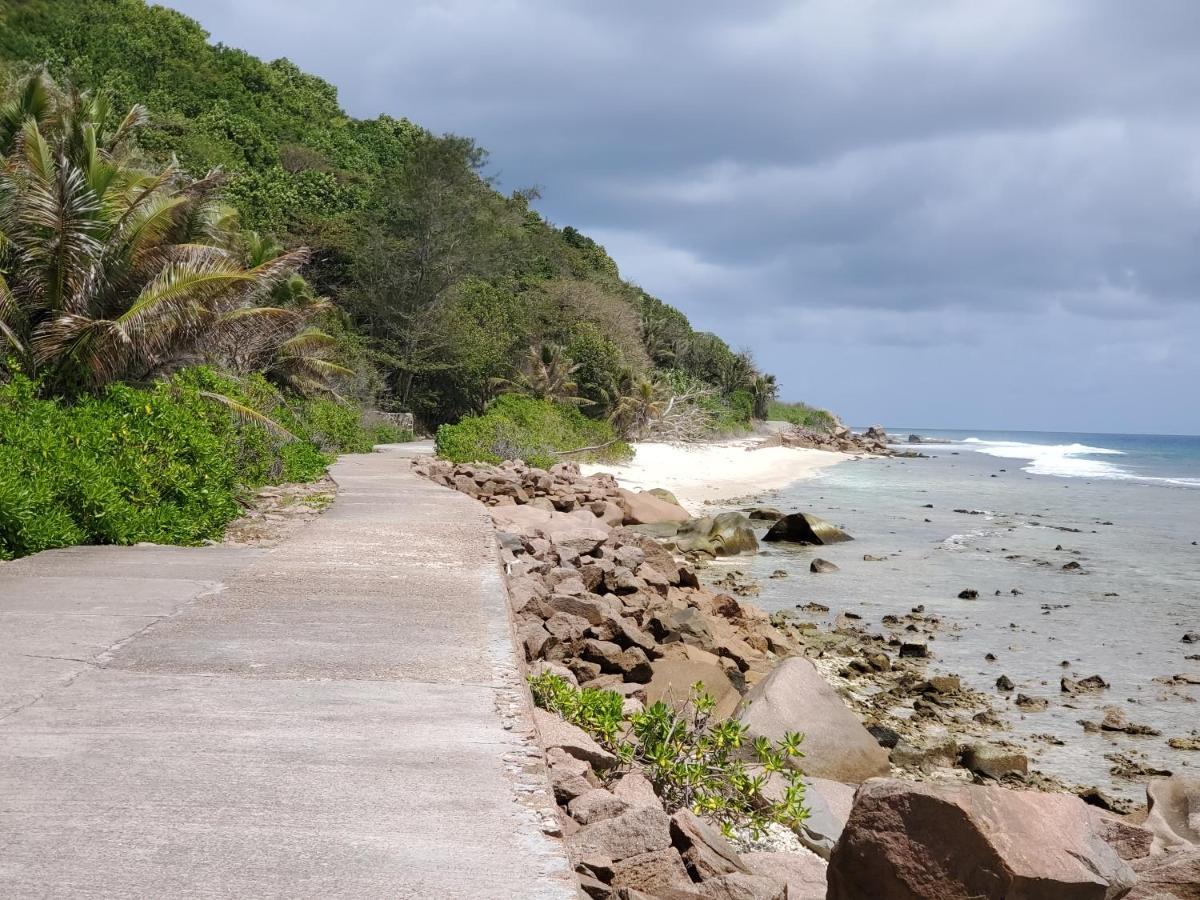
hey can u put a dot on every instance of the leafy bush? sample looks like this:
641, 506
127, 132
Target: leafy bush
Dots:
803, 415
128, 466
162, 465
519, 427
694, 763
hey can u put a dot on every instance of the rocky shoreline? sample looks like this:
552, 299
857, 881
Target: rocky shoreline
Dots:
603, 595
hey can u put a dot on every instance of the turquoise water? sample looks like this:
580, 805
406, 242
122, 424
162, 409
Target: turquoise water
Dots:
1126, 507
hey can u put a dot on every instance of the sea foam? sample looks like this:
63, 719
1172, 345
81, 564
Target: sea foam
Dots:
1069, 460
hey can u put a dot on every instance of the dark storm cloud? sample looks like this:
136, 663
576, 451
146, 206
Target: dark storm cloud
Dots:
977, 212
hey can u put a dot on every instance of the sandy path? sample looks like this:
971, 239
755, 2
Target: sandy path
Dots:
698, 472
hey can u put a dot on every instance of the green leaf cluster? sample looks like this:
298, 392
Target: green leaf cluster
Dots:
694, 762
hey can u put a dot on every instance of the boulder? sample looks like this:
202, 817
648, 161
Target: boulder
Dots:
763, 513
672, 677
828, 803
795, 697
725, 534
635, 790
595, 805
907, 840
705, 852
664, 494
1173, 812
822, 566
994, 761
1175, 876
558, 528
654, 873
805, 528
556, 732
647, 509
803, 873
634, 832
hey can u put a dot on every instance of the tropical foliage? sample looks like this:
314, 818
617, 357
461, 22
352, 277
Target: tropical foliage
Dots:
710, 767
540, 432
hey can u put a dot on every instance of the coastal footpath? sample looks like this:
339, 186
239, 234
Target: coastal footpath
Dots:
340, 716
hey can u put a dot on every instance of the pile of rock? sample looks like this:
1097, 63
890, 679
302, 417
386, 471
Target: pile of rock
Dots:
840, 440
603, 605
561, 488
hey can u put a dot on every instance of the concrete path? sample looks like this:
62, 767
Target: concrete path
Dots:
340, 716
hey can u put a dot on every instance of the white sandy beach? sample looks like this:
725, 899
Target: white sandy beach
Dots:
698, 472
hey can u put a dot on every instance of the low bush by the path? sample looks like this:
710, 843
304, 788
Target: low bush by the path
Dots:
694, 762
164, 464
536, 431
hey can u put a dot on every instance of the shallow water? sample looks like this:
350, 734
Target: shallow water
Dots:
1121, 616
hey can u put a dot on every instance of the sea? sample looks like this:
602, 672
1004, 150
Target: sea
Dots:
1002, 513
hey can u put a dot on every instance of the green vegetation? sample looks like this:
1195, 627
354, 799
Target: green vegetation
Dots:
167, 203
693, 762
163, 464
803, 415
537, 431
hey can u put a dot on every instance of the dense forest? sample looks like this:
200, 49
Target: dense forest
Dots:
182, 218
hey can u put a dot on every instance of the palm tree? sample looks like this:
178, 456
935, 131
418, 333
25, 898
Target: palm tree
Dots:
638, 403
113, 273
764, 389
545, 373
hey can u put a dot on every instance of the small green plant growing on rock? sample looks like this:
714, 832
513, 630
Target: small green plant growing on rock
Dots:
596, 712
711, 768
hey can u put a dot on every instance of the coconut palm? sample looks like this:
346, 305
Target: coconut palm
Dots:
114, 273
545, 373
764, 389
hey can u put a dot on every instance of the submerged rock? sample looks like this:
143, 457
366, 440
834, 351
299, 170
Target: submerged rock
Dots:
805, 528
726, 534
822, 566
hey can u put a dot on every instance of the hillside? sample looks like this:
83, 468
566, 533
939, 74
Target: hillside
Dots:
447, 291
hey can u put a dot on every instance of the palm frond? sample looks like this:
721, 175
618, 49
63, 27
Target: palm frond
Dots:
247, 415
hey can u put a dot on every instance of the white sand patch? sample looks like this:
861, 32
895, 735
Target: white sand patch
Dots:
698, 472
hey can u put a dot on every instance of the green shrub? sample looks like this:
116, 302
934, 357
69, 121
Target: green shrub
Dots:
694, 763
163, 465
802, 415
131, 465
519, 427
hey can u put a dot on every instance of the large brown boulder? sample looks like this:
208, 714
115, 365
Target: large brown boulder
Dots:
1174, 812
919, 841
647, 509
794, 697
805, 528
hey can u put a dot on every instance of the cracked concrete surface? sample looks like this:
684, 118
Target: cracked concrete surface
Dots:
339, 716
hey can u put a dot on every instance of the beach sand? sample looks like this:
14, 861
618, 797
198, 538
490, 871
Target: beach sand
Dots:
698, 472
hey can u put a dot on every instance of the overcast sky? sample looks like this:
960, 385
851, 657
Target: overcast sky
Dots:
954, 212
